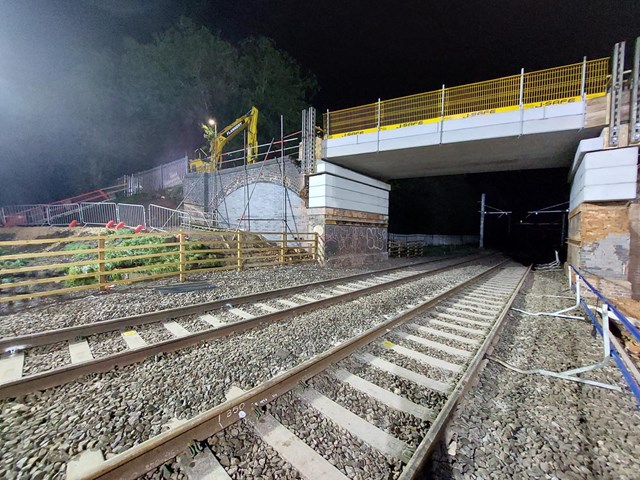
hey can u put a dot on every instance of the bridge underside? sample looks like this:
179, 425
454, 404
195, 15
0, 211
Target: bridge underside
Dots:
532, 151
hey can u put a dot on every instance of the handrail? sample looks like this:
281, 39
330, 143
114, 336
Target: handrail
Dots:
565, 84
625, 321
629, 377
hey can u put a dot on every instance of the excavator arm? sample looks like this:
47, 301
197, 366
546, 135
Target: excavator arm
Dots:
218, 140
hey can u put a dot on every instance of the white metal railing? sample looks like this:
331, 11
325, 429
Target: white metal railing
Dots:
92, 213
158, 178
167, 219
32, 214
63, 214
132, 214
85, 213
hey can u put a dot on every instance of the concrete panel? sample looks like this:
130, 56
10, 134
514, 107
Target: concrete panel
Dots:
604, 175
585, 146
533, 114
608, 176
322, 182
354, 149
429, 128
348, 195
410, 142
480, 121
552, 124
563, 110
342, 141
612, 157
624, 191
481, 133
333, 169
330, 202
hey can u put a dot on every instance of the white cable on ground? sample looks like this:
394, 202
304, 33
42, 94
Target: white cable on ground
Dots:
562, 375
571, 373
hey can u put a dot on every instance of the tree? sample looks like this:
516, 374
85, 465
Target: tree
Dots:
118, 112
274, 82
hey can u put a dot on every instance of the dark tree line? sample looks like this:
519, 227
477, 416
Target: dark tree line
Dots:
118, 112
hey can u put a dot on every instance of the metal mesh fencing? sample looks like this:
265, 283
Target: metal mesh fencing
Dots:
98, 213
481, 96
62, 215
165, 176
132, 215
413, 108
25, 215
166, 219
559, 83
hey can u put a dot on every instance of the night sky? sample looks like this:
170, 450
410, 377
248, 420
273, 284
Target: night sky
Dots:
359, 51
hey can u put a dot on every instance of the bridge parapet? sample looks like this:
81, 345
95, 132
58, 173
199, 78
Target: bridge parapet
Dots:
553, 86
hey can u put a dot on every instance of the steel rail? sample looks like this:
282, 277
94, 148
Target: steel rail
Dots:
157, 450
48, 337
67, 373
421, 455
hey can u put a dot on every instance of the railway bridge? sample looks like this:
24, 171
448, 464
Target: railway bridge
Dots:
583, 116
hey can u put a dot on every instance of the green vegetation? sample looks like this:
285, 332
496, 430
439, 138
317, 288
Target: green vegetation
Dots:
10, 263
125, 258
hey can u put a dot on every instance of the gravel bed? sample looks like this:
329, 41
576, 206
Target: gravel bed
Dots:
351, 456
40, 359
152, 332
399, 386
427, 350
126, 406
193, 323
470, 308
532, 426
244, 455
435, 338
239, 450
409, 363
271, 303
106, 344
137, 300
401, 425
426, 320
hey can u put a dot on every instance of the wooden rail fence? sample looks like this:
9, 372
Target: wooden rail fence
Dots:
53, 266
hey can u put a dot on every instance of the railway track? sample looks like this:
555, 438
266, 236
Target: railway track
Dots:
415, 366
101, 346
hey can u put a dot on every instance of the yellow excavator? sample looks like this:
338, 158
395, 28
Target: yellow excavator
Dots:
218, 140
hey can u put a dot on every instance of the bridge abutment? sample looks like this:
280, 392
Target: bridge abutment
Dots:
604, 217
350, 212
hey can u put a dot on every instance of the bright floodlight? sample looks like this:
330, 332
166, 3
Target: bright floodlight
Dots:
212, 122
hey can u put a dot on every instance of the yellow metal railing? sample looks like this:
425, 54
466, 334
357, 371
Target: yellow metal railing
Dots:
66, 265
527, 90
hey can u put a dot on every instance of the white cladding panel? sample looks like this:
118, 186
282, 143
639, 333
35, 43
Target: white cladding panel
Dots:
326, 167
337, 187
605, 175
